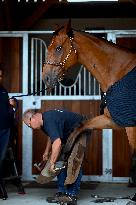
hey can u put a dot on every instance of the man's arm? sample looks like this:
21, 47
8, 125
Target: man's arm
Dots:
56, 148
47, 150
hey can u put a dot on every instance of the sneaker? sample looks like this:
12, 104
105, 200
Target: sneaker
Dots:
3, 192
69, 199
54, 199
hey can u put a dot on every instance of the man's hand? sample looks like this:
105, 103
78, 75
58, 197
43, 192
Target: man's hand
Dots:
45, 156
52, 169
14, 103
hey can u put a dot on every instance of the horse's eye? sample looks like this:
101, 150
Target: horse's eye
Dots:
58, 48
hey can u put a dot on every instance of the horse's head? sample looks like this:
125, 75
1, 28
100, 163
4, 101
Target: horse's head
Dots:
60, 56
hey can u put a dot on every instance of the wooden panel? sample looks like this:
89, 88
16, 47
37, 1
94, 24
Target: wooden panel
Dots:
121, 154
93, 157
11, 61
127, 42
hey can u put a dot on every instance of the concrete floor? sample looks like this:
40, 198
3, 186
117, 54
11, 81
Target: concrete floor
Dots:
36, 195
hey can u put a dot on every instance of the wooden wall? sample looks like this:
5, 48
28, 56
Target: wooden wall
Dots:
11, 61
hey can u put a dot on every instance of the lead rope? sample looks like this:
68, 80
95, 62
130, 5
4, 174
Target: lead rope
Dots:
29, 94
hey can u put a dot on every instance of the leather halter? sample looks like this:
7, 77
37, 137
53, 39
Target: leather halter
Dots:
62, 64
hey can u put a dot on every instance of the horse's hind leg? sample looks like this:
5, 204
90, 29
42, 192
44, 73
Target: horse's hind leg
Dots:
131, 133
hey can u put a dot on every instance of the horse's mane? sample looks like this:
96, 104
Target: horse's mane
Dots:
100, 39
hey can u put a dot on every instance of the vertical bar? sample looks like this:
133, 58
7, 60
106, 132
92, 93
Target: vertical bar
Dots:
60, 89
89, 83
55, 90
111, 37
99, 90
25, 64
65, 90
40, 71
70, 90
79, 80
35, 67
107, 154
32, 64
94, 85
84, 80
26, 141
74, 89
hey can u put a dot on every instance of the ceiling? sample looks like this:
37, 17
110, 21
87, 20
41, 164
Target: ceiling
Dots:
24, 15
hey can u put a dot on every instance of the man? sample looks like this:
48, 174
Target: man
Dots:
57, 125
5, 117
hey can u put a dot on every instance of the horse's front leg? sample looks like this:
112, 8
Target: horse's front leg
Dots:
98, 122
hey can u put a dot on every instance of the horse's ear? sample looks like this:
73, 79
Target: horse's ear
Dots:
68, 28
56, 27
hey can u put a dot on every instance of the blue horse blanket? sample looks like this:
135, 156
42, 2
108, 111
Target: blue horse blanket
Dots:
121, 100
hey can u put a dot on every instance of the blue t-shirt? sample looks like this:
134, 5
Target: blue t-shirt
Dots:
60, 123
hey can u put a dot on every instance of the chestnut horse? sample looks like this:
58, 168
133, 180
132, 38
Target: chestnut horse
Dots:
108, 63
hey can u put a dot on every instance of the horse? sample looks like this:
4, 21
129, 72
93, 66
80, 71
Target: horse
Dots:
113, 66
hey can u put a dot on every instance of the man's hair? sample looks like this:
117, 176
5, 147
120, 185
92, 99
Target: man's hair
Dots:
28, 114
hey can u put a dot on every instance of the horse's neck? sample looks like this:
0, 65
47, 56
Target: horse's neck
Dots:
104, 60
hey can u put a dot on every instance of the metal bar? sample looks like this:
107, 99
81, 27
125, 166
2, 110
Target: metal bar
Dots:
41, 64
32, 64
107, 153
65, 91
35, 66
117, 32
94, 86
89, 84
26, 141
84, 70
79, 82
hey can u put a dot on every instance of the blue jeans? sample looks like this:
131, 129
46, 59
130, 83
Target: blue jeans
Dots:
4, 140
71, 189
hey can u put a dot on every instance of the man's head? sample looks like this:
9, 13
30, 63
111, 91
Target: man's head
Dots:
33, 119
